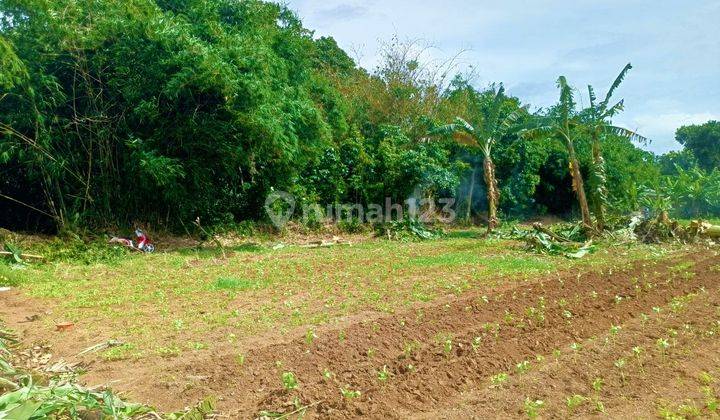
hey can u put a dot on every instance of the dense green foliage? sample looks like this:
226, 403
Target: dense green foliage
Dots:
690, 181
703, 141
161, 111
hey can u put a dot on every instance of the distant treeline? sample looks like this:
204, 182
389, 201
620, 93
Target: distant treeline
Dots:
115, 112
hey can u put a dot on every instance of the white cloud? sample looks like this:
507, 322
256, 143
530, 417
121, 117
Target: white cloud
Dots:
674, 46
657, 126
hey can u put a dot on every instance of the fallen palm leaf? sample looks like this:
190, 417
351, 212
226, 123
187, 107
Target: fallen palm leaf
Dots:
544, 241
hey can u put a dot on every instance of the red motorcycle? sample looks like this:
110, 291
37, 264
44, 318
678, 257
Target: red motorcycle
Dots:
143, 242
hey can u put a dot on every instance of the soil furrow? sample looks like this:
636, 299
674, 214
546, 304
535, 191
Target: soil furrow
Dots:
437, 352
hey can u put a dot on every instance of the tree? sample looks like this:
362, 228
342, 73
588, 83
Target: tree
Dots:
561, 123
670, 161
704, 142
190, 108
597, 122
490, 125
12, 70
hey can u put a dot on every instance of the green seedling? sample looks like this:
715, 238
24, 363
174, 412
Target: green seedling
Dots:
637, 351
349, 393
532, 408
523, 366
620, 364
499, 379
410, 347
599, 406
447, 346
240, 359
384, 374
706, 378
310, 336
662, 344
197, 346
475, 344
509, 317
712, 403
289, 381
575, 401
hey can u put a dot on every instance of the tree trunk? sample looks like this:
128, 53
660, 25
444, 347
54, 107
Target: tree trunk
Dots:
579, 188
470, 194
599, 195
492, 192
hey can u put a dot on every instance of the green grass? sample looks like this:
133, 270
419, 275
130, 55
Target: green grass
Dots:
181, 297
230, 283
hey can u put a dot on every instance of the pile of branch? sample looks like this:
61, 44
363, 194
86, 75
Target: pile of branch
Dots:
22, 255
14, 252
704, 229
545, 241
664, 229
407, 229
26, 395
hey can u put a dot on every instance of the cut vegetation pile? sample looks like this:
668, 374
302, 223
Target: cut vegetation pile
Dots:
28, 394
664, 229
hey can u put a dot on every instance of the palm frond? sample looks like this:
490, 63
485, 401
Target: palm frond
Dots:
538, 128
465, 139
567, 101
444, 130
615, 85
613, 110
624, 132
464, 126
460, 130
492, 112
593, 98
510, 121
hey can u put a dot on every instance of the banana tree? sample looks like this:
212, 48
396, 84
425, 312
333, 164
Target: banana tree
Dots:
490, 125
597, 123
562, 123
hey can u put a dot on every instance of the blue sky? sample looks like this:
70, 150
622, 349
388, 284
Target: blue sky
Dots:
673, 45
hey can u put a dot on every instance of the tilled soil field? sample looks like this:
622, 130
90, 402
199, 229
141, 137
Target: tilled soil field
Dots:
636, 342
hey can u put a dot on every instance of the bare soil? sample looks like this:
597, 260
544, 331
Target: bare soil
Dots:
436, 360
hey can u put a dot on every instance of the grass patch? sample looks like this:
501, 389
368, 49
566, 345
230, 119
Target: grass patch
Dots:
122, 352
174, 297
231, 283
